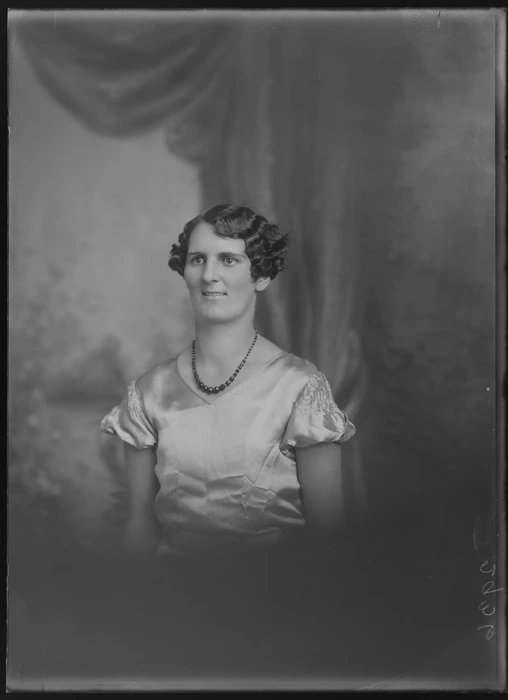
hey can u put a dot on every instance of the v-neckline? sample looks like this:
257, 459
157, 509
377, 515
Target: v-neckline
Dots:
209, 401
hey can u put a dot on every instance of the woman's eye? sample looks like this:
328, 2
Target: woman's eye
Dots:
229, 261
197, 259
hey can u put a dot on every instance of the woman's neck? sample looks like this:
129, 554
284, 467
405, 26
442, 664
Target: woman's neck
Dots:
220, 346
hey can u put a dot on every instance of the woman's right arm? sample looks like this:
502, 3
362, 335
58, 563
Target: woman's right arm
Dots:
142, 529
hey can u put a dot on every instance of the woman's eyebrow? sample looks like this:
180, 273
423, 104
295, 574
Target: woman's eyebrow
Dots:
222, 252
233, 255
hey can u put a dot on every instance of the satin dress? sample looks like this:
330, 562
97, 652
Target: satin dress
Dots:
226, 463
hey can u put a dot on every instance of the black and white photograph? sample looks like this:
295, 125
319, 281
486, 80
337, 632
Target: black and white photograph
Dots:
256, 350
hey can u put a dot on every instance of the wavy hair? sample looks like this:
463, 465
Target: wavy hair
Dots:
265, 245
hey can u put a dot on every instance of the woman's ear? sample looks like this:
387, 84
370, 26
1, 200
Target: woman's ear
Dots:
261, 283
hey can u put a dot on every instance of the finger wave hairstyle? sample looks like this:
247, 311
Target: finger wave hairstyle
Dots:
265, 245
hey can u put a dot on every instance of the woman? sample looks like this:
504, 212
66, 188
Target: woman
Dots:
234, 442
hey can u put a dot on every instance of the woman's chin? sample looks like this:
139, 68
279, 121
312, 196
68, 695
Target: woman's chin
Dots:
214, 314
219, 311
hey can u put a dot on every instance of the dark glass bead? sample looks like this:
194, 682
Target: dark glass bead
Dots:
216, 389
222, 387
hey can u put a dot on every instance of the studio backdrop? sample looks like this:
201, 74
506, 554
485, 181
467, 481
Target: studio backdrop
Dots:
368, 136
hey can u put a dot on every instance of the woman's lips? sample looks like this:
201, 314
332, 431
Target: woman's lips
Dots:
214, 295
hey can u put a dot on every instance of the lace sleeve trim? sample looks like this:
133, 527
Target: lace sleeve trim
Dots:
317, 397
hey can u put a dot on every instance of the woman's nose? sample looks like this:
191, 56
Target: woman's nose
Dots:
210, 272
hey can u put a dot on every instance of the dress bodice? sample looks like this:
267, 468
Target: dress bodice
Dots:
226, 464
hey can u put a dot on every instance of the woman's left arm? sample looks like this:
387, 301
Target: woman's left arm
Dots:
320, 476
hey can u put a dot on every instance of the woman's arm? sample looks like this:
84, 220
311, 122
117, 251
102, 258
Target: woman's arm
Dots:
320, 476
142, 529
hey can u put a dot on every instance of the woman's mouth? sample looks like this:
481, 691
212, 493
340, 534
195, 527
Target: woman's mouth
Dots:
213, 295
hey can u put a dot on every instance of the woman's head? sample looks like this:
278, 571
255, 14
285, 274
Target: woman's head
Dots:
226, 256
265, 245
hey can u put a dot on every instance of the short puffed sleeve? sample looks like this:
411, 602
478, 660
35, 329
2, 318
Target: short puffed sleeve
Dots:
129, 421
315, 417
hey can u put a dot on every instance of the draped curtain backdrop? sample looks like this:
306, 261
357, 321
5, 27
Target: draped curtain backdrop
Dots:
261, 107
302, 117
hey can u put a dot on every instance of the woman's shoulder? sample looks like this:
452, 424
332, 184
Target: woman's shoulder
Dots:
286, 360
149, 383
299, 366
293, 373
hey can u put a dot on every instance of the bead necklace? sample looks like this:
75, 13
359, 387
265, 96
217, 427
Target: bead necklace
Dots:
220, 387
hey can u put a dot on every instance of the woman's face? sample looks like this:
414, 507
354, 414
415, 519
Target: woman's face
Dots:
218, 276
